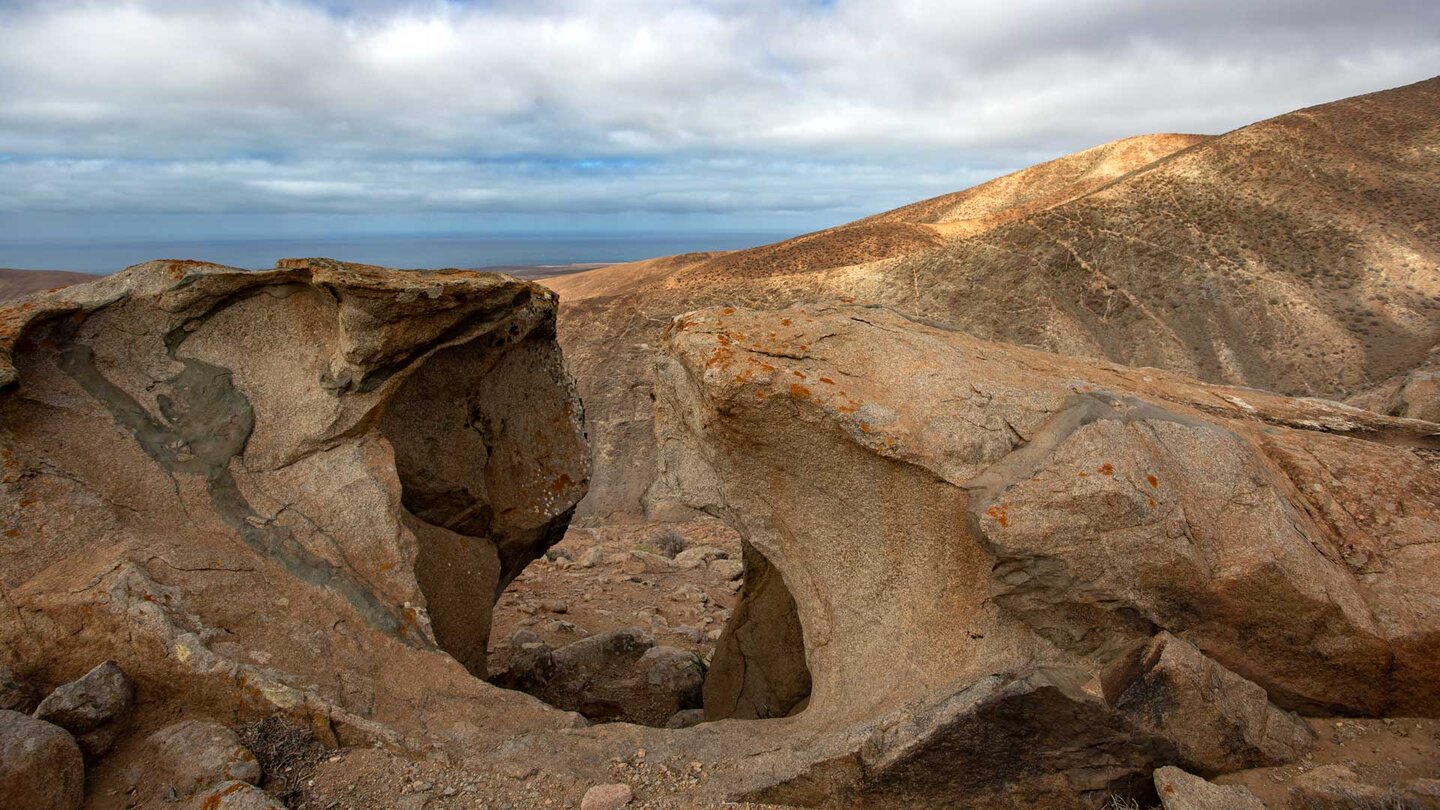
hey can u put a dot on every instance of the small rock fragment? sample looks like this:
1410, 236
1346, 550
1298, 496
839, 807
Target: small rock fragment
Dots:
606, 797
698, 556
94, 708
726, 570
1183, 791
592, 557
645, 562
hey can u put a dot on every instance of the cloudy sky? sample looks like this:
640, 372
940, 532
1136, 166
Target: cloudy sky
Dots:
264, 117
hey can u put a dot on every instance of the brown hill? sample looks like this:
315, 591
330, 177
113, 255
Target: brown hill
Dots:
16, 283
1299, 254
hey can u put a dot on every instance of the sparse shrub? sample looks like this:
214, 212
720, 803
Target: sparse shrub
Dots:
668, 542
287, 753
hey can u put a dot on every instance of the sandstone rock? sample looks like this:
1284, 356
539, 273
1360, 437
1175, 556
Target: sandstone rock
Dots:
95, 708
698, 556
1219, 721
606, 797
236, 796
726, 570
40, 765
939, 510
340, 465
1182, 791
185, 757
16, 694
592, 557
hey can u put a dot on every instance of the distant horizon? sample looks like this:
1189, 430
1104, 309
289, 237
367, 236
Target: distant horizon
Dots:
425, 250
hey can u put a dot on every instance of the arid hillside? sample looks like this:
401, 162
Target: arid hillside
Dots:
1300, 254
17, 283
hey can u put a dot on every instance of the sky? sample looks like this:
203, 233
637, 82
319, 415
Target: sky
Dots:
275, 118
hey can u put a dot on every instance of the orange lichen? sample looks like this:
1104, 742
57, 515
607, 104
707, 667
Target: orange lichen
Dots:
799, 374
1106, 469
997, 513
719, 357
1154, 482
561, 483
728, 311
827, 381
785, 322
799, 391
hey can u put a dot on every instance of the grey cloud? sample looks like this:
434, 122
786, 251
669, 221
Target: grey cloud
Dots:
351, 105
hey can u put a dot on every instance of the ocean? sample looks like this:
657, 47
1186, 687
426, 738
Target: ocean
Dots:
391, 251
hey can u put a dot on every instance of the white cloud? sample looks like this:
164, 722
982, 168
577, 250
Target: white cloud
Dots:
288, 105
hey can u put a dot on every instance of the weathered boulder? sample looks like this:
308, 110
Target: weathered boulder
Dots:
41, 767
293, 490
618, 675
95, 708
1219, 721
942, 511
186, 757
1179, 790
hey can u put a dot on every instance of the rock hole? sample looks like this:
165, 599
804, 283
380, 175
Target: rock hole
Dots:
624, 623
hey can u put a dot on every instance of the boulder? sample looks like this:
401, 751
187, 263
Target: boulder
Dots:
95, 708
941, 511
1183, 791
1219, 721
618, 675
185, 757
41, 767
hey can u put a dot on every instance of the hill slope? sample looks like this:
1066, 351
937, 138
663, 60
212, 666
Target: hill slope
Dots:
1299, 254
17, 283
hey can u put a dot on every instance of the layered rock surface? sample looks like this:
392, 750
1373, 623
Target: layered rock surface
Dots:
290, 489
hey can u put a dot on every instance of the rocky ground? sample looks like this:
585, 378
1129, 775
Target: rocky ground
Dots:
636, 575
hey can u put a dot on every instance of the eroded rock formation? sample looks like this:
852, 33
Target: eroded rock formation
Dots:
287, 483
1009, 557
